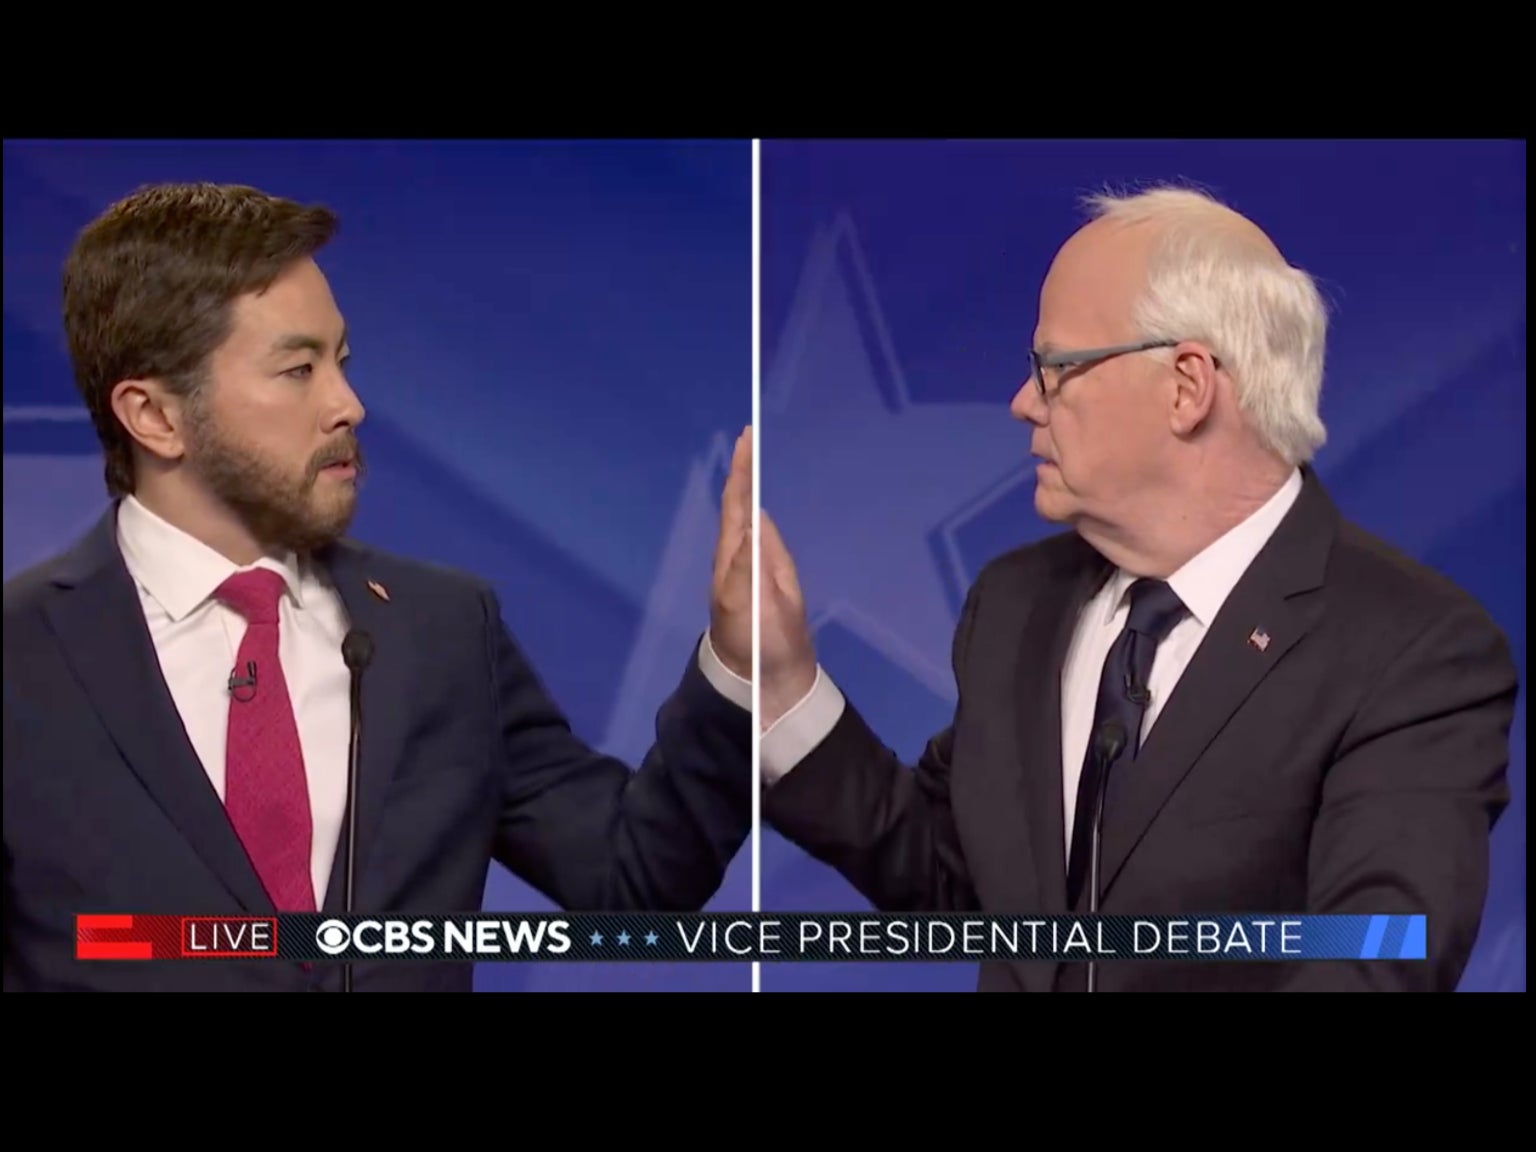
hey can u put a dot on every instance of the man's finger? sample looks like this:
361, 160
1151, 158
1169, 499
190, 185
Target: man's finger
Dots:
733, 561
739, 573
735, 502
777, 562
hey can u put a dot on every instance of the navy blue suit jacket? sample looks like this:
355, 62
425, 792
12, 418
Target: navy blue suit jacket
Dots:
465, 760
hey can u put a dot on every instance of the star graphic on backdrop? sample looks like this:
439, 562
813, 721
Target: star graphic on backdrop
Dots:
597, 939
865, 476
650, 939
670, 621
624, 939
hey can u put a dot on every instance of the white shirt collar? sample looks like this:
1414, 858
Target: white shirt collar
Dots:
1205, 582
179, 571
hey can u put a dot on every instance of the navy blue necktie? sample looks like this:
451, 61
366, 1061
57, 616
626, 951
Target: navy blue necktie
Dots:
1123, 697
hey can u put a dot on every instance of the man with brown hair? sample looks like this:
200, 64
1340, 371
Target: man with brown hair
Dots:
177, 712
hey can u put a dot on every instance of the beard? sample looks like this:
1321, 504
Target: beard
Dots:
293, 513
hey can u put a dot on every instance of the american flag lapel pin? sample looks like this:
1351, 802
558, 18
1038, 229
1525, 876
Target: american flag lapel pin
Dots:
1258, 638
378, 590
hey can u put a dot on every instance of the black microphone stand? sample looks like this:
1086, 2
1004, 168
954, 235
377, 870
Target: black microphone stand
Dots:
1108, 743
357, 651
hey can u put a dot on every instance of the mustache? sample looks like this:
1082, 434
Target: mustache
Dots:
343, 451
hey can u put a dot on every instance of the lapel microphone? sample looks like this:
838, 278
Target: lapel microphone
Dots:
243, 688
1108, 742
1138, 694
357, 652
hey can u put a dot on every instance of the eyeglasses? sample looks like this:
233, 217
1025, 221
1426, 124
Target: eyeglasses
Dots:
1041, 364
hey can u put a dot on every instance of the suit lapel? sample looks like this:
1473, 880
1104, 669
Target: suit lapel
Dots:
1270, 610
100, 625
386, 691
1043, 646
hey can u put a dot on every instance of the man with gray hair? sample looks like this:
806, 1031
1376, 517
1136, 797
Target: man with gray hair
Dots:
1271, 711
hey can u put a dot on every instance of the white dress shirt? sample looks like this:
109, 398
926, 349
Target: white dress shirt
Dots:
197, 639
1203, 584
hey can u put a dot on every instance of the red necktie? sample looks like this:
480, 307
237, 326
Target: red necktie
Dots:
265, 790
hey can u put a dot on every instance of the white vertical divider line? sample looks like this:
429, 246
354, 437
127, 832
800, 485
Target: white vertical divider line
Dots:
757, 583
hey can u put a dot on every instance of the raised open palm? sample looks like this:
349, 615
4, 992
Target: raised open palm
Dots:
730, 610
788, 659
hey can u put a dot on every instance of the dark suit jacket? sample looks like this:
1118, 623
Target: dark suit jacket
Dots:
465, 759
1355, 765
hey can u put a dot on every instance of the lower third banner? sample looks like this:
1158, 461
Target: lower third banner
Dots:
772, 937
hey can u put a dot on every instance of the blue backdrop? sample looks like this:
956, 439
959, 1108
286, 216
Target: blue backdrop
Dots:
553, 341
900, 284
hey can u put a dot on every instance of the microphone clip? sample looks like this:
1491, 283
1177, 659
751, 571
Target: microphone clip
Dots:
243, 688
1138, 694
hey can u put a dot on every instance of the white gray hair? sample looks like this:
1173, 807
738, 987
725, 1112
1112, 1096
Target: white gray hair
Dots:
1213, 277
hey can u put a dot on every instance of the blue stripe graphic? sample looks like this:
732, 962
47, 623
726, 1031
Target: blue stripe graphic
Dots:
1392, 941
1373, 935
1414, 945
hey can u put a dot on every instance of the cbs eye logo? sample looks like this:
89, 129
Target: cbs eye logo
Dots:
332, 937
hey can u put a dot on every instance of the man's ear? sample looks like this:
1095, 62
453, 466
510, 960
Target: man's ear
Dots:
1197, 376
153, 415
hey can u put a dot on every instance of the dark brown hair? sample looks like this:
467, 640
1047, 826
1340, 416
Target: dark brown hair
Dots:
149, 286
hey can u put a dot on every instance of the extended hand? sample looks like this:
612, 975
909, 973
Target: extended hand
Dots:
730, 609
789, 658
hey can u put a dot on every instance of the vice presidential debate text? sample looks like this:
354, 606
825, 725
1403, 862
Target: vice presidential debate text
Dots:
718, 937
